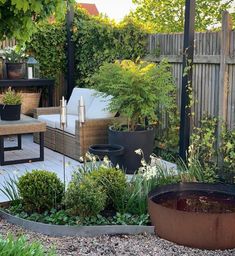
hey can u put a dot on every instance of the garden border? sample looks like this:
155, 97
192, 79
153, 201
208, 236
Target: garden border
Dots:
63, 230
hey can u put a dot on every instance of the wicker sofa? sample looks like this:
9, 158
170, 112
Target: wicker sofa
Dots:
77, 138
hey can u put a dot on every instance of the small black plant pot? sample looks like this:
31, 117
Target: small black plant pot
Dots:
15, 70
10, 112
131, 141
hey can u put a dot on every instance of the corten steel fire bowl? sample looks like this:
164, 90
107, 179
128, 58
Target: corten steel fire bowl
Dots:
195, 214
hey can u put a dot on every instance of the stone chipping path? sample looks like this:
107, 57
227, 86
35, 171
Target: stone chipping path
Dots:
141, 245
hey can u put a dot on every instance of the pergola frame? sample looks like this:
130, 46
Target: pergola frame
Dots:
188, 51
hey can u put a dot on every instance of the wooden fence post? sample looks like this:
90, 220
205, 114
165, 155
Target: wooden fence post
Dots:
223, 83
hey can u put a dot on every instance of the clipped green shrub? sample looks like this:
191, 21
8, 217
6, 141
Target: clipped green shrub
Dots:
40, 190
20, 247
113, 182
84, 197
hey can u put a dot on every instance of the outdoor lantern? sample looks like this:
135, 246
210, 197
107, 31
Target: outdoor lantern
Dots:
32, 68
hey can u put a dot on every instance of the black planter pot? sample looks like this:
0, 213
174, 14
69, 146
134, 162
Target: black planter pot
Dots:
131, 141
10, 112
15, 70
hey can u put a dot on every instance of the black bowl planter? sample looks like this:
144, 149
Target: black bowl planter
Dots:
131, 141
10, 112
15, 70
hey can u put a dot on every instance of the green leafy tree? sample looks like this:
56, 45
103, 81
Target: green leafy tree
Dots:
168, 15
18, 17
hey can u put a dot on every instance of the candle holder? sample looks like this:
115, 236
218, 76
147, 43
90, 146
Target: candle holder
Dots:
63, 124
63, 113
82, 111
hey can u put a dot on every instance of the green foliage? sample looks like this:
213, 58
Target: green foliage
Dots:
20, 247
48, 47
203, 151
99, 40
96, 40
40, 190
138, 89
166, 16
13, 54
228, 149
202, 148
9, 189
18, 17
113, 182
63, 217
11, 97
84, 196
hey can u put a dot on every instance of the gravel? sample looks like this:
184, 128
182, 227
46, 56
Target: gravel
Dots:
142, 245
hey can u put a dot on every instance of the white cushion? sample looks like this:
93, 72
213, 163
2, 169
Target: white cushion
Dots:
51, 120
88, 96
71, 124
98, 108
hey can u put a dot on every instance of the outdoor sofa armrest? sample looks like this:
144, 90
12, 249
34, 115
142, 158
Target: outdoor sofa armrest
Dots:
46, 111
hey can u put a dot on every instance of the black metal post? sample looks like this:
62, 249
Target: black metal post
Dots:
187, 78
70, 51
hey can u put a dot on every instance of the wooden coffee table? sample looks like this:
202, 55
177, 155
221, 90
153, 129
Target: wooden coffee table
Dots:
23, 126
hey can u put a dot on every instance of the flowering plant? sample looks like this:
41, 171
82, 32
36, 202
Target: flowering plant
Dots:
13, 54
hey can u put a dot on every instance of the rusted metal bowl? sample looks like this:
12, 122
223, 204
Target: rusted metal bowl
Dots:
194, 214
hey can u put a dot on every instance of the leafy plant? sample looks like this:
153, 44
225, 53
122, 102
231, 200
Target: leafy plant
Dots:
84, 196
138, 89
11, 97
171, 18
9, 189
227, 151
98, 40
20, 247
13, 54
202, 149
19, 17
48, 45
40, 190
113, 182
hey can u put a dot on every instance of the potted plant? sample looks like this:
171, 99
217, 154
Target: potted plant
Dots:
11, 105
15, 62
138, 90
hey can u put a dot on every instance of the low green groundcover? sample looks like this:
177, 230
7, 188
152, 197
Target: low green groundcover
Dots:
62, 217
20, 247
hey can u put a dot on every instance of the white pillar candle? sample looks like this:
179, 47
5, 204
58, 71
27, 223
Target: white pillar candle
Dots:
63, 101
30, 73
63, 111
81, 110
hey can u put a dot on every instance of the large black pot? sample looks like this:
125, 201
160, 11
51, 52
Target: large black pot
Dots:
10, 112
131, 141
15, 70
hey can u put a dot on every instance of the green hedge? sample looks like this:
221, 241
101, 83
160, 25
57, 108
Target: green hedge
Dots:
48, 47
96, 40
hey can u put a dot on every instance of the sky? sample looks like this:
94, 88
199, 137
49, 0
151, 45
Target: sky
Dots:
115, 9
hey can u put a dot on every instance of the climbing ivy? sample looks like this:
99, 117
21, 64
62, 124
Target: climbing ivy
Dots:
98, 40
48, 47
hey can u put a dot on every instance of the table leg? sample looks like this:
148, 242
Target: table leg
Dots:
50, 95
1, 149
20, 161
19, 139
41, 138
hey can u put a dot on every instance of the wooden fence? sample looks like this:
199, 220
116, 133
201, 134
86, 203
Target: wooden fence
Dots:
7, 43
213, 69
